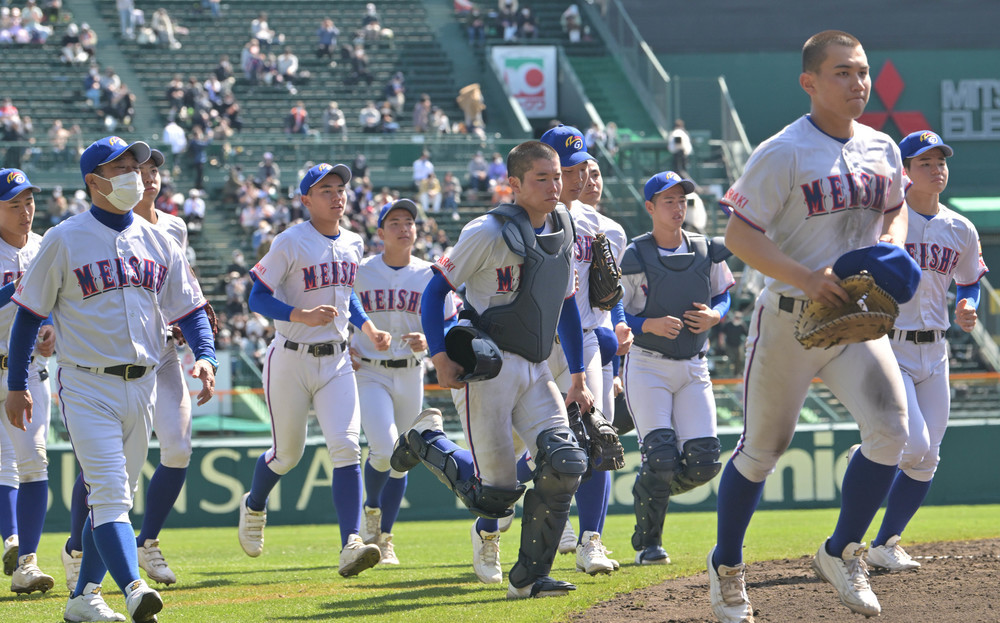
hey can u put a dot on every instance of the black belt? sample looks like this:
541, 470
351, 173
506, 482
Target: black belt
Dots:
317, 350
127, 371
918, 337
657, 353
787, 303
393, 363
3, 361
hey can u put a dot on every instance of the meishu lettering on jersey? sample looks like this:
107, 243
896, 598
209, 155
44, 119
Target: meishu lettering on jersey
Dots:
118, 273
935, 257
10, 275
325, 275
509, 278
844, 192
583, 245
390, 300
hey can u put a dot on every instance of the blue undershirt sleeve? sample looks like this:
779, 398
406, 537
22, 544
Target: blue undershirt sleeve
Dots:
721, 303
358, 316
634, 323
198, 333
432, 313
23, 334
618, 314
571, 335
6, 292
262, 301
970, 292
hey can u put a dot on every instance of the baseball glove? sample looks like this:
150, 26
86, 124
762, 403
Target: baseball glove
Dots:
606, 452
605, 276
868, 315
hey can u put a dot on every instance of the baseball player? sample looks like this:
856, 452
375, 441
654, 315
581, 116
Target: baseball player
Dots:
390, 383
516, 264
676, 289
305, 283
822, 186
24, 480
171, 421
109, 280
946, 247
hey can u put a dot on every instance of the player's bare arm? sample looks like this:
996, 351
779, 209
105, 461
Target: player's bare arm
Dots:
701, 318
894, 227
18, 406
665, 326
381, 339
448, 371
760, 253
579, 393
205, 372
966, 316
625, 338
416, 341
316, 317
46, 344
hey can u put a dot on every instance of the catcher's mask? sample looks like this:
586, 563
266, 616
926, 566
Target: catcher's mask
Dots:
475, 351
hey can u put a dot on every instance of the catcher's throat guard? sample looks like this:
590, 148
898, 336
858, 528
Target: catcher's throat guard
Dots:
868, 315
473, 349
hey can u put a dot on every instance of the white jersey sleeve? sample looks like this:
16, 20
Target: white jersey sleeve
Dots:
13, 262
173, 226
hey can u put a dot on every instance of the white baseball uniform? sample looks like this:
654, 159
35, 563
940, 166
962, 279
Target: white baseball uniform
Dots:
22, 453
111, 295
391, 383
523, 398
669, 393
305, 269
946, 247
816, 197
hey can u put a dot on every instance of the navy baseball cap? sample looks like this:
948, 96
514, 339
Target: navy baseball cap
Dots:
917, 143
399, 204
107, 149
662, 181
13, 182
318, 172
890, 266
569, 144
157, 157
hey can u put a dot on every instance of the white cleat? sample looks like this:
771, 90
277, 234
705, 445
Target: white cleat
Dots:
590, 555
90, 606
10, 549
727, 588
849, 575
891, 556
152, 561
371, 524
429, 419
28, 578
486, 555
358, 556
142, 602
251, 528
567, 542
71, 564
386, 548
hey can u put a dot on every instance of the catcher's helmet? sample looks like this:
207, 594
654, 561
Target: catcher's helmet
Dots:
475, 351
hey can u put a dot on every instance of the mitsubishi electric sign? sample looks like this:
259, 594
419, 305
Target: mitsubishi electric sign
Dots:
970, 110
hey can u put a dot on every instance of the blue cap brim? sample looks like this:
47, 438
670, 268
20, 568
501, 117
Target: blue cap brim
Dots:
575, 159
140, 150
948, 151
342, 171
687, 185
399, 204
17, 190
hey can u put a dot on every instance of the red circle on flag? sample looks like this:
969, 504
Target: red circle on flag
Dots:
534, 77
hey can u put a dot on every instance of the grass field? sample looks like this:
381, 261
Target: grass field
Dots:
296, 577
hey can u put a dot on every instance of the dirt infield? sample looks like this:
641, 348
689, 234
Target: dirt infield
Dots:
957, 582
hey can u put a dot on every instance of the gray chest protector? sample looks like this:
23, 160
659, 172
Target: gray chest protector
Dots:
527, 325
675, 283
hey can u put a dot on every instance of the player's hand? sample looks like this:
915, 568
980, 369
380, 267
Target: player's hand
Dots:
625, 338
701, 318
204, 371
823, 286
448, 371
46, 344
315, 317
416, 341
966, 316
618, 386
667, 326
579, 393
355, 358
18, 406
381, 339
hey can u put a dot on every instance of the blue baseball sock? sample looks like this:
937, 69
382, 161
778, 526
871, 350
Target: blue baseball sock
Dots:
524, 470
32, 502
607, 499
264, 480
347, 500
78, 511
591, 503
92, 567
116, 542
905, 498
738, 499
375, 482
164, 487
8, 517
489, 525
866, 484
392, 498
439, 440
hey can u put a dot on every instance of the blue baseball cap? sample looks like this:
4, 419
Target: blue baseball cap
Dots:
13, 182
892, 268
399, 204
318, 172
917, 143
109, 148
569, 144
662, 181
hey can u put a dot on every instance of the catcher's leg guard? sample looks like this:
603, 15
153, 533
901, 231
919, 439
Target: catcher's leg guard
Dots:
651, 491
403, 459
559, 465
701, 464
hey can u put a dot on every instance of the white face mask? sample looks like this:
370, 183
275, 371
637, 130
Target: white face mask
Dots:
126, 190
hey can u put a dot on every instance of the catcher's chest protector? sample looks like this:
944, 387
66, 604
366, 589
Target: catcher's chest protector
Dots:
527, 325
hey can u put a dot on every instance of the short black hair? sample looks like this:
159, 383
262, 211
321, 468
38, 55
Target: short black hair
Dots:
523, 157
814, 49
